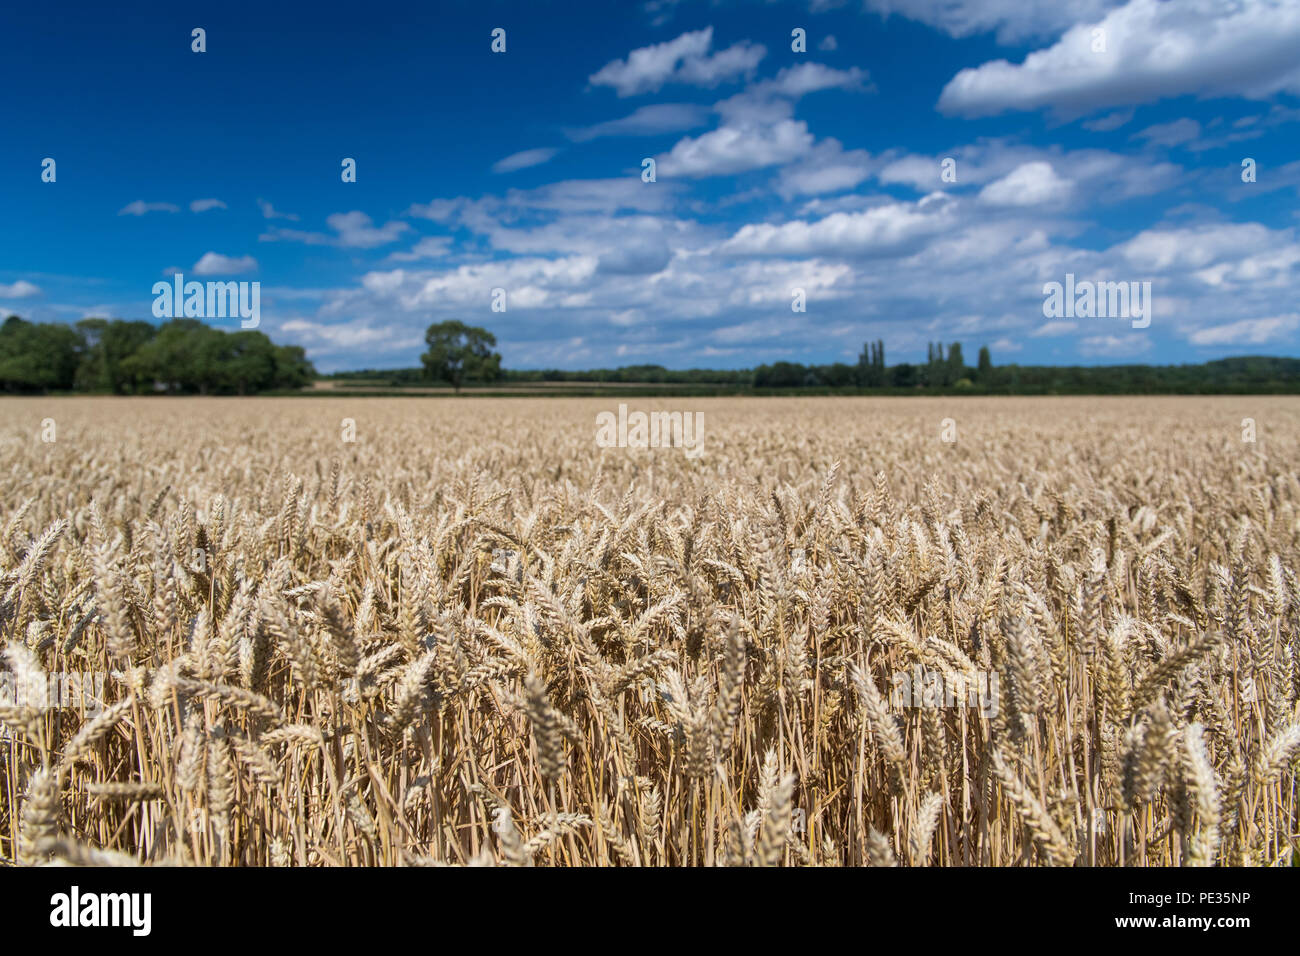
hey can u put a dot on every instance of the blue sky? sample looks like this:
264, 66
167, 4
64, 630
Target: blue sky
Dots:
775, 170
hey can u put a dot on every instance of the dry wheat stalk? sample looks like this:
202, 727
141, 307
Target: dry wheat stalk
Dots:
479, 638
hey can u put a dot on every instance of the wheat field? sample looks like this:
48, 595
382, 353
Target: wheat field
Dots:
471, 636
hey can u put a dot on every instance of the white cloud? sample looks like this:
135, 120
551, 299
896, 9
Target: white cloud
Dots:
1032, 184
829, 168
647, 121
1115, 346
1097, 176
1013, 19
828, 43
203, 205
215, 264
355, 230
438, 210
683, 60
652, 273
1104, 124
1055, 328
879, 231
430, 247
805, 78
270, 212
606, 197
1153, 50
524, 159
21, 289
140, 207
636, 255
651, 287
920, 172
1174, 133
1279, 328
1203, 246
333, 337
734, 149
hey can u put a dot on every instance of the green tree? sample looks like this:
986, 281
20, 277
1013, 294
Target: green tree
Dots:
935, 370
904, 375
38, 356
239, 362
109, 342
184, 355
460, 353
956, 364
181, 357
292, 368
838, 375
780, 375
985, 365
871, 365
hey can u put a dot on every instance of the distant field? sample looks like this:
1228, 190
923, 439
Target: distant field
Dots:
473, 635
361, 385
382, 387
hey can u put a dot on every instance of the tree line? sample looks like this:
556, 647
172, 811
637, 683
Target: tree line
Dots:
460, 354
945, 370
941, 370
182, 356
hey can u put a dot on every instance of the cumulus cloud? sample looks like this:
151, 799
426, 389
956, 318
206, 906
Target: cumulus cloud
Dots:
1097, 176
1153, 50
652, 287
524, 159
1200, 247
1032, 184
684, 60
882, 230
805, 78
1013, 20
636, 256
828, 168
21, 289
731, 149
215, 264
331, 337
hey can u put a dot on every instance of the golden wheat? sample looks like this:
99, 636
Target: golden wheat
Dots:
472, 636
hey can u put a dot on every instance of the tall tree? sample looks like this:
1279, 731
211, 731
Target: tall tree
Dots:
956, 364
460, 353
